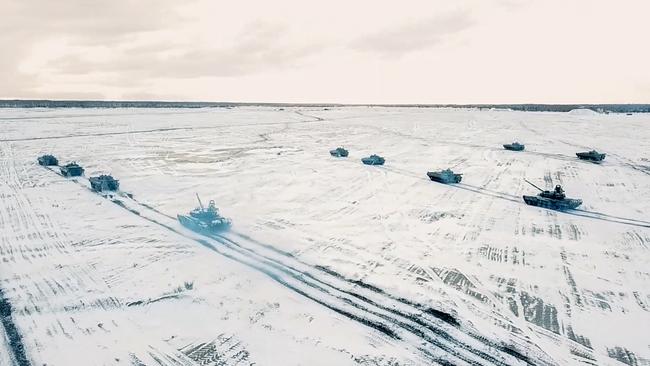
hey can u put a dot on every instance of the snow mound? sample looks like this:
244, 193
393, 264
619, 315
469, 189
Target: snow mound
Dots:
582, 112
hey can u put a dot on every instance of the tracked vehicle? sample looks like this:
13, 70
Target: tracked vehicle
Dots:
48, 160
104, 183
554, 200
205, 220
339, 152
72, 170
592, 155
373, 160
515, 146
445, 176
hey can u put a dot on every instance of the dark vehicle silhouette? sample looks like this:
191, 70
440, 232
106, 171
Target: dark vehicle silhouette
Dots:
515, 146
205, 220
72, 170
48, 160
373, 160
445, 176
554, 200
592, 155
104, 183
339, 152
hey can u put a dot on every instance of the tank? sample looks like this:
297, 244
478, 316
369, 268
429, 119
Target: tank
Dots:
445, 176
339, 152
48, 160
555, 200
515, 146
205, 220
72, 170
592, 155
104, 183
373, 160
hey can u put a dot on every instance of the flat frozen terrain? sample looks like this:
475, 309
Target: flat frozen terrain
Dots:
329, 261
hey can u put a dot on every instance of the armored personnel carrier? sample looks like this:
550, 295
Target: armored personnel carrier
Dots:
445, 176
47, 160
205, 220
515, 146
592, 155
104, 183
555, 200
373, 160
72, 170
339, 152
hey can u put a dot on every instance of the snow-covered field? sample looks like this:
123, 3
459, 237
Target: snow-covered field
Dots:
329, 261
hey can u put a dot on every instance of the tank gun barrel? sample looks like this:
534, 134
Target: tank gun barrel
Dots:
200, 203
541, 190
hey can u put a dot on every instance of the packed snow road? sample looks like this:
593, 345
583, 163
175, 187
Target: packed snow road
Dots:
329, 261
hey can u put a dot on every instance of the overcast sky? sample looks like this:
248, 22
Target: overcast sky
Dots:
349, 51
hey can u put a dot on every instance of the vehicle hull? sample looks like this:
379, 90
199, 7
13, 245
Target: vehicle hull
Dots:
48, 160
104, 185
369, 161
591, 157
456, 178
553, 204
202, 226
339, 153
514, 147
72, 172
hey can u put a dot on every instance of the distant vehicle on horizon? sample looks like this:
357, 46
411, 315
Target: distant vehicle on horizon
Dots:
373, 160
515, 146
445, 176
339, 152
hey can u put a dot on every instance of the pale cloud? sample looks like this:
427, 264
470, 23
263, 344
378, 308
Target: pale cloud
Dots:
27, 23
259, 46
417, 35
422, 51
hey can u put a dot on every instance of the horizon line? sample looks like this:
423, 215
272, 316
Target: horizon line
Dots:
311, 104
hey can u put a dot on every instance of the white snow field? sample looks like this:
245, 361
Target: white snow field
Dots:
329, 261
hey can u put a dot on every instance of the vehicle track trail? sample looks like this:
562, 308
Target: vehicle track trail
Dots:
517, 199
34, 299
312, 119
435, 333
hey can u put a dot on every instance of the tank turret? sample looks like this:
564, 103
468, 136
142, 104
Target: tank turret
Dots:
72, 170
515, 146
48, 160
373, 160
445, 176
555, 199
592, 155
339, 152
205, 220
104, 183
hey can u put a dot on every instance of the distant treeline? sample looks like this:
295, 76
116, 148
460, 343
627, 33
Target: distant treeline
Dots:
602, 108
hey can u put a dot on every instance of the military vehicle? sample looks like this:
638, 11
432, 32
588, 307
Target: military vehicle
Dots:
515, 146
373, 160
48, 160
104, 183
592, 155
339, 152
205, 220
72, 170
445, 176
555, 200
